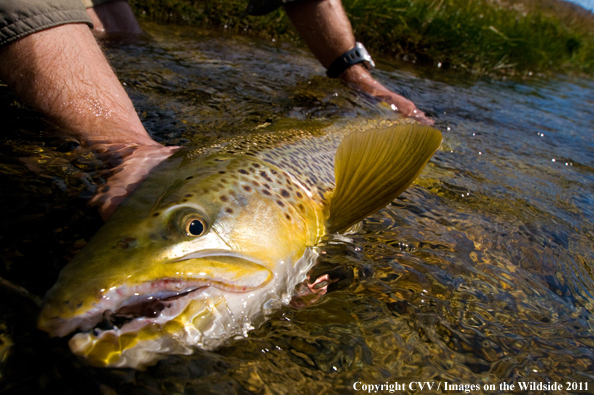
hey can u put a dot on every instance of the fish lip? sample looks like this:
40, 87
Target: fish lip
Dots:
215, 253
125, 295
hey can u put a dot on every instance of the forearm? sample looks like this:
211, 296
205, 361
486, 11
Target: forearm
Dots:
62, 73
324, 26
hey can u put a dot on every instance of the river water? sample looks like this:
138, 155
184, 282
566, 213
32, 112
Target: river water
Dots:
480, 273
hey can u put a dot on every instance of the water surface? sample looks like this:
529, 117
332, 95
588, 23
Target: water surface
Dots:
480, 273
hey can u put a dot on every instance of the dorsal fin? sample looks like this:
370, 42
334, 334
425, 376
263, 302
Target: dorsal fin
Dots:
373, 167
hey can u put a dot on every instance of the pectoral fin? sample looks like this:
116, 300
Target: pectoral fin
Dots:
373, 167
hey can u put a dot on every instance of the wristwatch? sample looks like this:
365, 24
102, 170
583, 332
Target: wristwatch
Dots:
350, 58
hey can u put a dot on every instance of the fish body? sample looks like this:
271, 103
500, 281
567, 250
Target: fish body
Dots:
217, 238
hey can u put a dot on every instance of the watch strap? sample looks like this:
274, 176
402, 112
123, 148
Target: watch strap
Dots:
350, 58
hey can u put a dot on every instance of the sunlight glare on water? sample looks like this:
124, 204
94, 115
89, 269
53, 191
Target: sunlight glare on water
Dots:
481, 272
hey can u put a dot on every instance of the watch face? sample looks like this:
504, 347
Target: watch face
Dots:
362, 52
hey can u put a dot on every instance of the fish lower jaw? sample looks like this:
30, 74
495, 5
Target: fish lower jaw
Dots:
197, 319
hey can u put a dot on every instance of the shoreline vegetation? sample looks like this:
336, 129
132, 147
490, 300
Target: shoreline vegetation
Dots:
495, 37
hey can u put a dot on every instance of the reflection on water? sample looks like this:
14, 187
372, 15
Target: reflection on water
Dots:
482, 272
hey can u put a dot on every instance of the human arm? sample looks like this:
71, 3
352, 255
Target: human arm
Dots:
325, 28
62, 73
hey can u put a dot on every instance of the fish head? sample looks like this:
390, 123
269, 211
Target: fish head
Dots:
191, 263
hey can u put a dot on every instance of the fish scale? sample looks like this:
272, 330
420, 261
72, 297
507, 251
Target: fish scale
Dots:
307, 155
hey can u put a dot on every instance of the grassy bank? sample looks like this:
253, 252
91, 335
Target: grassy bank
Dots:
482, 36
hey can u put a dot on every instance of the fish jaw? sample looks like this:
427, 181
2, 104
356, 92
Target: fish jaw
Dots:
67, 309
205, 318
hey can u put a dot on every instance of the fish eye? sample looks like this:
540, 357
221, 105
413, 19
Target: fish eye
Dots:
195, 227
189, 222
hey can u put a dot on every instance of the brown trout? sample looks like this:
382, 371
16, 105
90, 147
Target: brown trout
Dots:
217, 238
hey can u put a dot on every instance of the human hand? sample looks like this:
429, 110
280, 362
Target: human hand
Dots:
130, 164
358, 76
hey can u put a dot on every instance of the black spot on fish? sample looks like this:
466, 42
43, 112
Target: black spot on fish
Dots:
265, 192
265, 176
288, 217
229, 210
256, 183
256, 165
285, 193
156, 214
242, 171
247, 188
78, 306
280, 203
222, 172
224, 198
189, 195
301, 207
299, 195
189, 178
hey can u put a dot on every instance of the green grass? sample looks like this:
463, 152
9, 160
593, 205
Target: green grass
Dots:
481, 36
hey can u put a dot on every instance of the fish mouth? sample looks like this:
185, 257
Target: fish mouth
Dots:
131, 306
146, 308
